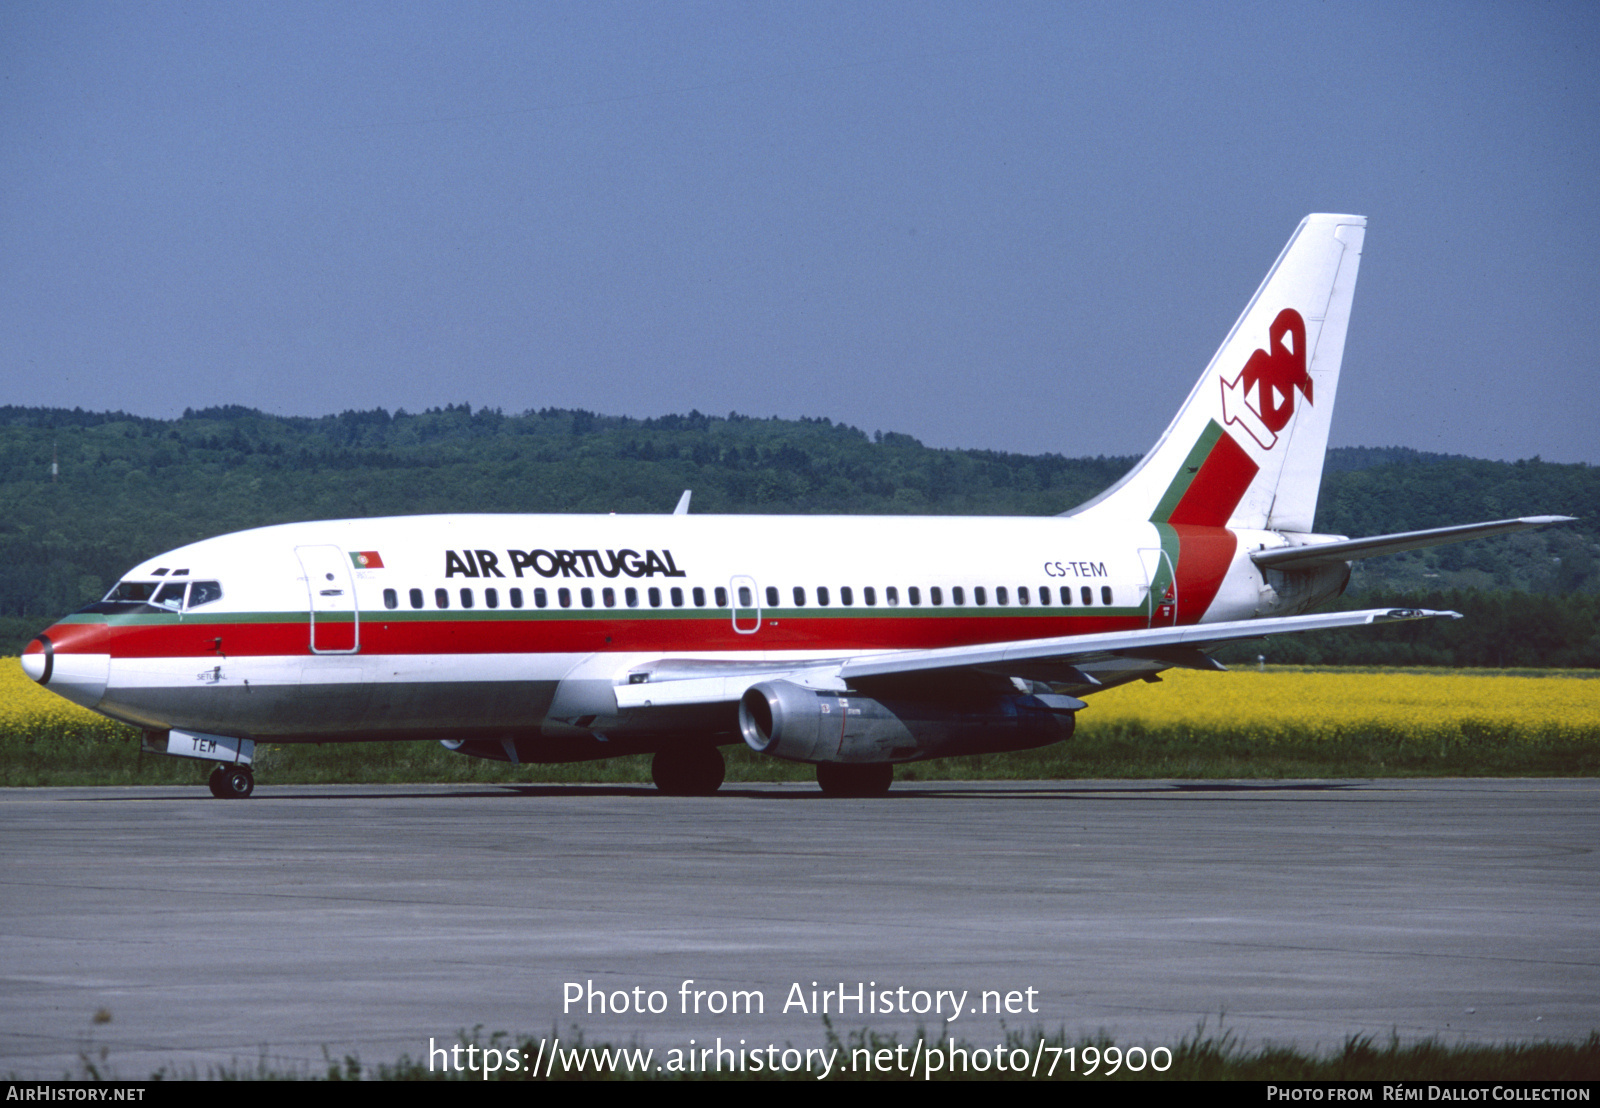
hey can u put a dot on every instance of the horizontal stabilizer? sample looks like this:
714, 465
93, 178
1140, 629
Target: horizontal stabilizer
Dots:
1313, 555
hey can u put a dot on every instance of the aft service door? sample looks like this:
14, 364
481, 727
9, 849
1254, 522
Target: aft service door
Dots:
335, 623
1161, 586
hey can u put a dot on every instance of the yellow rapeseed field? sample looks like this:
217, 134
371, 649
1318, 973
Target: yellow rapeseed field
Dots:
1245, 703
28, 710
1434, 705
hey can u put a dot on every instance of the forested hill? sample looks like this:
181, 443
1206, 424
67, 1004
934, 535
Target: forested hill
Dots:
128, 486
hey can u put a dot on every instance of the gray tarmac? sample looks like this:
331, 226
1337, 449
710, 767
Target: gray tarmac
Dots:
371, 920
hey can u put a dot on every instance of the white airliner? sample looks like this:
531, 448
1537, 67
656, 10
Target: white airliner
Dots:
853, 643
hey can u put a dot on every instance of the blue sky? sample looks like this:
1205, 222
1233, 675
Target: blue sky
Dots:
1006, 226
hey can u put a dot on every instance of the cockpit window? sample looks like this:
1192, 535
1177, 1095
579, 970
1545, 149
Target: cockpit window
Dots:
132, 590
129, 596
156, 596
204, 592
170, 596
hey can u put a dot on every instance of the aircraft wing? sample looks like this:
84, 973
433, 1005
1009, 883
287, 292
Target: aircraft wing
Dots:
1313, 554
1072, 659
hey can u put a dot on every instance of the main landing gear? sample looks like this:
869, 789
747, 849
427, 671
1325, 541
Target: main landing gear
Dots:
847, 779
232, 782
688, 771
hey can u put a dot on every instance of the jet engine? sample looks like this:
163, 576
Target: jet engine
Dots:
793, 722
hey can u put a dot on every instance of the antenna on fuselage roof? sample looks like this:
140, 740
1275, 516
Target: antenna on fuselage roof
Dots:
683, 504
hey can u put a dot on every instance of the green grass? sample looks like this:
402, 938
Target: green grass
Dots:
1138, 750
105, 753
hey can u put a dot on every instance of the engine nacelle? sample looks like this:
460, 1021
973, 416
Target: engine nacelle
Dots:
805, 725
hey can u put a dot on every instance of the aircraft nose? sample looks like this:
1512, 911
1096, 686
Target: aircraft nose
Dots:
37, 666
81, 678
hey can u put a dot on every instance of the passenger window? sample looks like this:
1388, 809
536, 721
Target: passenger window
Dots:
1105, 594
914, 594
466, 598
391, 599
516, 598
1022, 594
1087, 594
870, 594
891, 596
204, 592
1000, 595
608, 597
746, 598
677, 597
441, 598
631, 595
655, 597
721, 595
564, 597
958, 596
491, 598
799, 597
587, 595
540, 598
822, 595
772, 597
980, 595
416, 598
1066, 595
847, 596
699, 597
936, 594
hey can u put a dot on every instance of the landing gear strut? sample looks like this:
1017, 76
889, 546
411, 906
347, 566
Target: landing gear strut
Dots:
841, 779
690, 771
231, 782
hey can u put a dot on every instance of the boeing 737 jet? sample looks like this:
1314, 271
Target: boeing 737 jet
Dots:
853, 643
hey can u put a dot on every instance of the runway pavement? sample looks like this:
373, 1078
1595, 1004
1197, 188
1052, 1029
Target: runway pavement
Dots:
367, 920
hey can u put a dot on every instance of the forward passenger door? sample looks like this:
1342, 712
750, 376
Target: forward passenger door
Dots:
335, 622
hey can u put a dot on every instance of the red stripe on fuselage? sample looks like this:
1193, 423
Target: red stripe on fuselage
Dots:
77, 638
705, 635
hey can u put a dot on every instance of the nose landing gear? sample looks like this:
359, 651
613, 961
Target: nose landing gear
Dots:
231, 782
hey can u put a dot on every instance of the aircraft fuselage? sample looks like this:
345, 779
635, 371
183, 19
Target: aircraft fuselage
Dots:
473, 625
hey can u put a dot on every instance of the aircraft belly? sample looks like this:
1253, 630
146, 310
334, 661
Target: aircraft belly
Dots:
268, 711
282, 697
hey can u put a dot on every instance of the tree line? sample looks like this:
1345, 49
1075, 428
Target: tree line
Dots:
84, 495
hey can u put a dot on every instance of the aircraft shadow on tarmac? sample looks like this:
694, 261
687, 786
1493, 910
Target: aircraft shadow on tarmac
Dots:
776, 791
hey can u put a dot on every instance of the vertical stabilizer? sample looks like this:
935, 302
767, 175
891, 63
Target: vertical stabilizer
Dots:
1247, 447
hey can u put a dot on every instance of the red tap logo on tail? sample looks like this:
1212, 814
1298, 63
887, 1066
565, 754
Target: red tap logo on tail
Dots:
1261, 398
